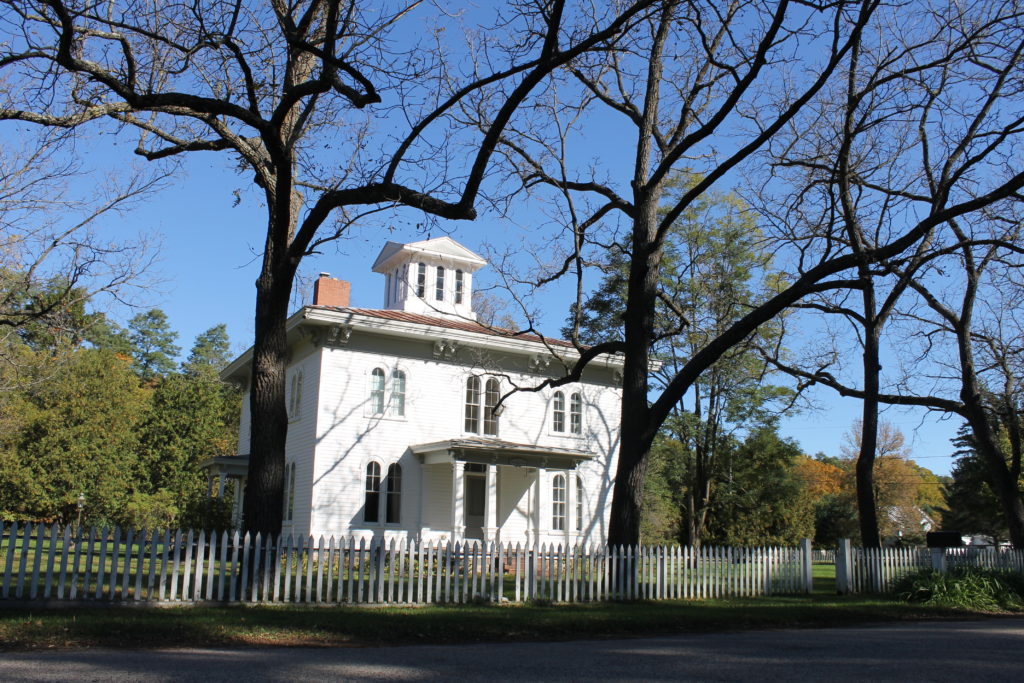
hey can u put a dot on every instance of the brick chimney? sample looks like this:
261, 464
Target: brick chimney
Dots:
327, 291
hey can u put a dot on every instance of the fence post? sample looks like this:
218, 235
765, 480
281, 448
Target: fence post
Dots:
844, 567
939, 560
808, 566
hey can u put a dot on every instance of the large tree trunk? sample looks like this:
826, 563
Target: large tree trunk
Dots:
264, 496
636, 435
865, 468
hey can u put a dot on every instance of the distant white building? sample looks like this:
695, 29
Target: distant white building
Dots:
393, 431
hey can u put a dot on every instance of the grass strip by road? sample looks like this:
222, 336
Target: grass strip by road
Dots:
241, 626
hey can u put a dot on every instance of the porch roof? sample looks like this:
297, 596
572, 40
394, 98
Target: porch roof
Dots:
498, 452
228, 465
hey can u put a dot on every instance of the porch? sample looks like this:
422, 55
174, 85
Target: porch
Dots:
501, 491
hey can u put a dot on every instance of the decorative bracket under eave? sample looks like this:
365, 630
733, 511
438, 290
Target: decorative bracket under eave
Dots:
336, 335
445, 348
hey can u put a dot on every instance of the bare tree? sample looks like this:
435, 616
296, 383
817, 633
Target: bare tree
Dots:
710, 86
273, 85
892, 143
54, 254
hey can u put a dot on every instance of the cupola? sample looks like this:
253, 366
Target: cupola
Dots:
432, 277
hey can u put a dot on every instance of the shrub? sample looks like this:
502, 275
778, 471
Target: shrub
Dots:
964, 587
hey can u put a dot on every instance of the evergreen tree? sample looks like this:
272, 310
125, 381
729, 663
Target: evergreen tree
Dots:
211, 348
153, 347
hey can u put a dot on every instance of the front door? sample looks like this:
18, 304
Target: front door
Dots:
474, 498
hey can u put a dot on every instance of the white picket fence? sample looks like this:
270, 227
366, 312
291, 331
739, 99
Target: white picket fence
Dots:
39, 563
878, 570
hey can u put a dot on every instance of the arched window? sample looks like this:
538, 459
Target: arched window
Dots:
398, 393
579, 503
295, 397
576, 414
377, 391
491, 396
393, 504
473, 405
421, 280
371, 502
459, 286
439, 284
558, 412
558, 503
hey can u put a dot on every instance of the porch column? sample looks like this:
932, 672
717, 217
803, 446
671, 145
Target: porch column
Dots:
236, 513
458, 501
491, 503
543, 514
220, 486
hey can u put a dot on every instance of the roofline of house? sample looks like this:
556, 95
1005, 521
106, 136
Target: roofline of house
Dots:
325, 317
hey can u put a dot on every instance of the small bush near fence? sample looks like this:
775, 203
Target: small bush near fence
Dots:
972, 588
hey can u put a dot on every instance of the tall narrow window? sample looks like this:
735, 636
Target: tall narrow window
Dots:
289, 492
295, 398
491, 396
439, 284
579, 503
473, 405
387, 290
558, 412
558, 503
421, 280
393, 504
576, 414
398, 393
459, 286
377, 391
371, 502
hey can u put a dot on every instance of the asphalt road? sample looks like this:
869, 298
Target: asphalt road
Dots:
975, 651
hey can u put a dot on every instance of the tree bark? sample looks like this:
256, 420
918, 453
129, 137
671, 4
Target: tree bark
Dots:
865, 467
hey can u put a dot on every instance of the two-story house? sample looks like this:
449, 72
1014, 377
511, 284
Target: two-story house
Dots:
397, 424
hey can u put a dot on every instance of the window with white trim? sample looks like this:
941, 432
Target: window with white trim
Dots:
377, 391
439, 284
289, 492
295, 396
371, 499
397, 402
492, 393
393, 500
459, 286
473, 405
421, 280
579, 503
481, 404
558, 502
576, 413
558, 412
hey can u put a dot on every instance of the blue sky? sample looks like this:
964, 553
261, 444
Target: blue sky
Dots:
209, 260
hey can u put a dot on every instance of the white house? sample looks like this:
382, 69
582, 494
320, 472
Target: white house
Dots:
393, 429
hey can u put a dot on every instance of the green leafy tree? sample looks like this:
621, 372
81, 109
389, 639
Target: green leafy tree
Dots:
762, 500
152, 341
194, 416
78, 435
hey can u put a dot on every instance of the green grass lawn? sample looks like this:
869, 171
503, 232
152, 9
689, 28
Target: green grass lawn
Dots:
348, 626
